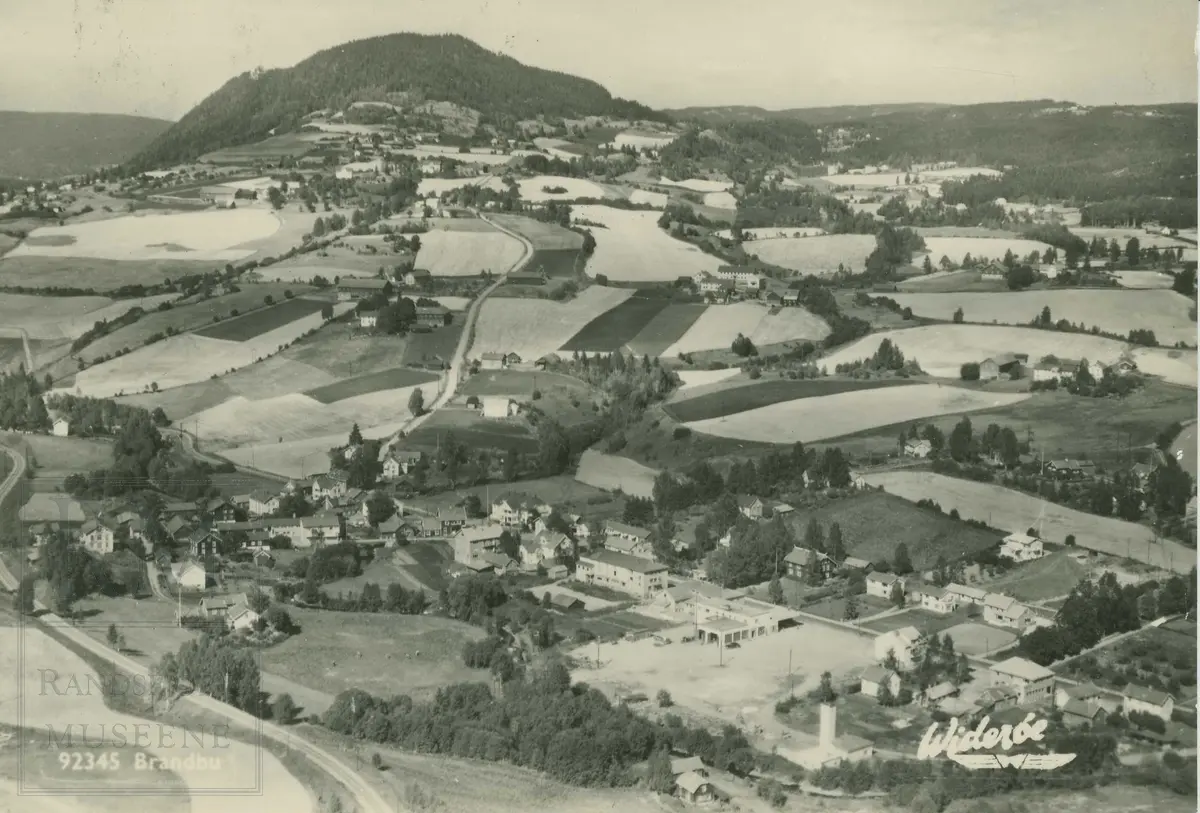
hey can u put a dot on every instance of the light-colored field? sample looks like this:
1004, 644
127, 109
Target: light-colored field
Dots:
465, 254
1014, 511
1144, 280
655, 199
614, 473
66, 455
941, 350
773, 232
473, 157
697, 184
831, 416
454, 303
532, 328
176, 236
819, 256
747, 680
880, 180
187, 359
955, 173
1122, 236
544, 236
1113, 311
701, 378
719, 325
436, 187
302, 458
992, 248
55, 317
632, 247
720, 200
533, 189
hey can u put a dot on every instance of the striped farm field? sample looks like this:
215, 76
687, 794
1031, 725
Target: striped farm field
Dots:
252, 325
756, 395
394, 378
1014, 511
665, 329
1113, 311
847, 413
531, 328
941, 350
615, 328
720, 325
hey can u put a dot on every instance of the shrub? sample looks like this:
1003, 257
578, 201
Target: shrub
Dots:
664, 699
681, 432
969, 371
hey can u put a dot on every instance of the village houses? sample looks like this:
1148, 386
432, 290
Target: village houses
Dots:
98, 536
800, 562
473, 541
627, 539
901, 642
400, 461
1147, 701
880, 585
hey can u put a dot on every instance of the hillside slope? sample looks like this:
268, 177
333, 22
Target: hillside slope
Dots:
441, 67
815, 116
49, 145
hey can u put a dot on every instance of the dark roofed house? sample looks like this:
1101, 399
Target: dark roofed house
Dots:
1147, 701
354, 288
527, 278
564, 601
432, 315
1080, 712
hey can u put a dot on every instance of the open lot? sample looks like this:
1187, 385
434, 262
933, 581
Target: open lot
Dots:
831, 416
395, 378
1049, 577
253, 325
381, 653
532, 328
819, 255
68, 455
91, 273
615, 473
521, 383
1113, 311
695, 379
631, 247
455, 253
979, 639
612, 329
873, 523
941, 350
758, 394
1015, 511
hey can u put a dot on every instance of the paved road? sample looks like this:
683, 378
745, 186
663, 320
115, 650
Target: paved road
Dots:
454, 375
367, 798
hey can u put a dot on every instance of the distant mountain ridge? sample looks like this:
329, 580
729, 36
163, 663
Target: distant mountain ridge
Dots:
815, 116
51, 145
448, 68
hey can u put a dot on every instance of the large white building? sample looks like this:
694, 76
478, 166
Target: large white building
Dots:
1033, 683
1022, 547
728, 621
641, 578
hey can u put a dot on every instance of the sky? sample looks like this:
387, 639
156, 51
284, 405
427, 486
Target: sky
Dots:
160, 57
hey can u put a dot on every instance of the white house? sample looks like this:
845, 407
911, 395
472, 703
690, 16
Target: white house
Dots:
1147, 701
875, 677
472, 542
880, 584
319, 529
498, 406
368, 319
327, 485
511, 509
963, 595
400, 461
935, 599
627, 539
189, 575
97, 536
902, 642
1033, 683
546, 545
918, 448
241, 617
263, 502
1004, 611
492, 361
1022, 547
61, 427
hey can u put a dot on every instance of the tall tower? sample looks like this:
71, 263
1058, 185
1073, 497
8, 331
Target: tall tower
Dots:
828, 726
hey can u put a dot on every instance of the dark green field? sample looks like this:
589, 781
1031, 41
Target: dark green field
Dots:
89, 273
756, 395
431, 349
614, 329
665, 329
473, 431
554, 262
394, 378
253, 325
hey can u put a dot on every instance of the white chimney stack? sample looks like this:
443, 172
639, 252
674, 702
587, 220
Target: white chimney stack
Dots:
828, 726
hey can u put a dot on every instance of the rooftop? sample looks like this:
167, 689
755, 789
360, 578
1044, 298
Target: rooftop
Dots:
622, 560
1145, 695
1022, 668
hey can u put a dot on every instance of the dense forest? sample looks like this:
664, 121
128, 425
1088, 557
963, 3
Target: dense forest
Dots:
443, 67
739, 147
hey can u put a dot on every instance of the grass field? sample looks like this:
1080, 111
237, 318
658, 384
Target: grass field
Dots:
293, 145
1122, 236
43, 316
613, 329
472, 429
835, 608
979, 639
980, 248
68, 455
923, 620
963, 280
543, 236
719, 325
1049, 577
694, 379
383, 654
658, 200
557, 262
818, 256
433, 349
533, 189
765, 393
521, 383
873, 523
1113, 311
613, 473
665, 329
100, 275
467, 253
846, 413
701, 185
631, 247
394, 378
532, 328
207, 236
253, 325
1015, 511
941, 350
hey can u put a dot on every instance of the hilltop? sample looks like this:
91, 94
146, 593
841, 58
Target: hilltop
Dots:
444, 68
49, 145
815, 116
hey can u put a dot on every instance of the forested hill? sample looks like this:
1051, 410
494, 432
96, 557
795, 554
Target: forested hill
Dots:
441, 68
51, 145
739, 147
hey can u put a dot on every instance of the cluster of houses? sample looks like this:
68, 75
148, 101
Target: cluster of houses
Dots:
996, 609
1049, 368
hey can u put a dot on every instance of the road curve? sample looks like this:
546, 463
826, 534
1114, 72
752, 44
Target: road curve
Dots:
454, 374
366, 797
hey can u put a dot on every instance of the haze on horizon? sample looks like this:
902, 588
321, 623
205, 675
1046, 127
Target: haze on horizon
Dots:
160, 57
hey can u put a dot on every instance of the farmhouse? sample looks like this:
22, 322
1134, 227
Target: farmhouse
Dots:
1088, 693
996, 698
627, 539
493, 361
1033, 683
634, 575
1076, 713
830, 749
512, 509
353, 289
751, 507
875, 677
900, 642
317, 529
853, 563
918, 448
432, 316
935, 695
499, 406
452, 519
61, 427
1022, 547
97, 536
993, 272
328, 485
742, 276
1002, 364
400, 461
417, 277
1069, 469
189, 575
1003, 611
693, 787
203, 542
881, 585
565, 601
1147, 701
800, 562
470, 543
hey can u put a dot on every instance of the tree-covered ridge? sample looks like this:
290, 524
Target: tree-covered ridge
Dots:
739, 147
441, 67
49, 145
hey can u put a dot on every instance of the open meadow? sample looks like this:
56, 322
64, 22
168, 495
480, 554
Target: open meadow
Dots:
394, 378
1144, 280
1050, 577
307, 457
456, 253
1122, 236
615, 473
473, 430
941, 350
701, 185
719, 325
93, 273
532, 328
831, 416
658, 200
818, 256
208, 236
693, 379
1113, 311
729, 400
53, 317
543, 236
990, 248
1015, 511
611, 330
631, 247
535, 189
252, 325
962, 280
721, 200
